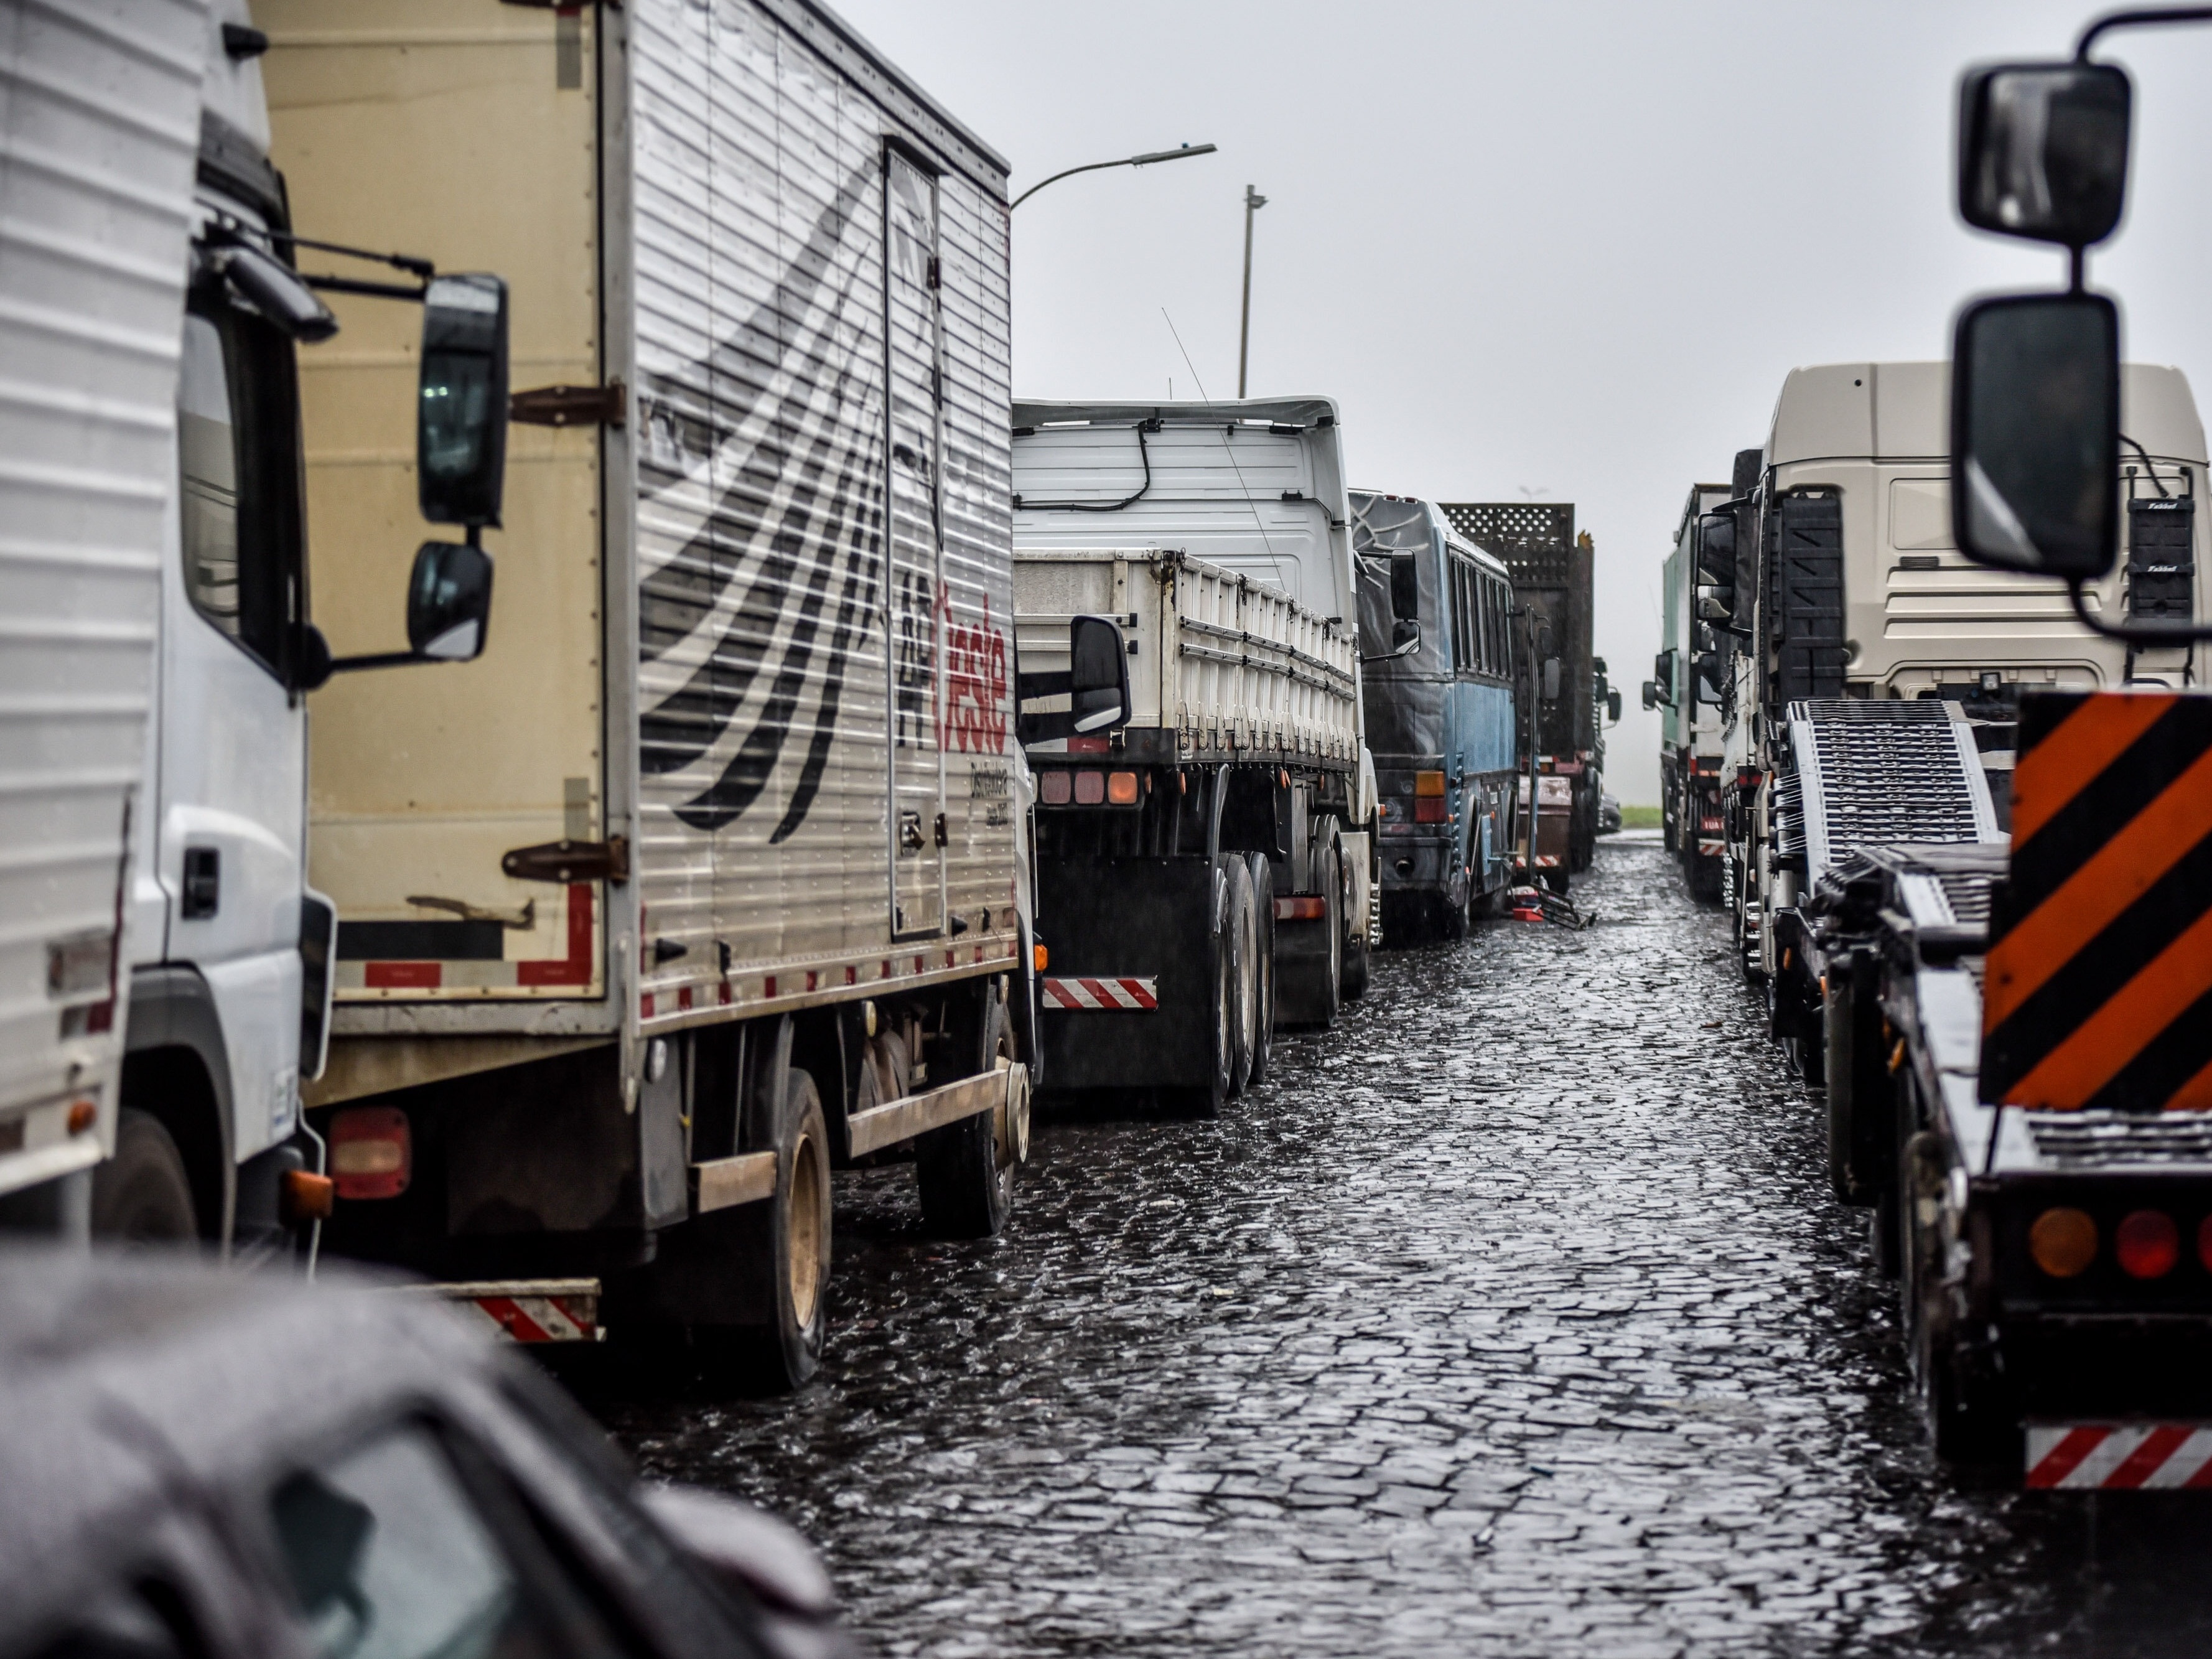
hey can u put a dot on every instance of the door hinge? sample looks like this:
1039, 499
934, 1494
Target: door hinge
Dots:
570, 860
571, 405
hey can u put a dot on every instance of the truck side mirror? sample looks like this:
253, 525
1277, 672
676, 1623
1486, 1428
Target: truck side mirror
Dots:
1650, 696
1613, 705
1716, 547
1098, 675
2042, 151
460, 438
1405, 586
1551, 680
1715, 602
2035, 434
449, 602
1662, 667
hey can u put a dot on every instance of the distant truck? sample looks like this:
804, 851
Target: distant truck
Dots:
708, 876
1552, 569
157, 691
1186, 620
1437, 668
1684, 688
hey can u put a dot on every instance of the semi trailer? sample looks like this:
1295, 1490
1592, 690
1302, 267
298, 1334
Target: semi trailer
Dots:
1436, 639
708, 876
1870, 672
1684, 688
158, 712
1186, 612
1562, 729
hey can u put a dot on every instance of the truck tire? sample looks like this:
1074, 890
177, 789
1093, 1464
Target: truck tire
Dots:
799, 1235
965, 1176
142, 1195
1332, 888
1963, 1407
1241, 936
1360, 944
1263, 964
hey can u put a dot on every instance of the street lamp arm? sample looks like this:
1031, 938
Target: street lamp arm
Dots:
1145, 160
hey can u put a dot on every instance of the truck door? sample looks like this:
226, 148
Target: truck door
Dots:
231, 831
914, 597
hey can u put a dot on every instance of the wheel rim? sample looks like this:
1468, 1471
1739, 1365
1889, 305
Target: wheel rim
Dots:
805, 1229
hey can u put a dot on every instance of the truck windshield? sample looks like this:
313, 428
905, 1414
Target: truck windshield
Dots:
1383, 526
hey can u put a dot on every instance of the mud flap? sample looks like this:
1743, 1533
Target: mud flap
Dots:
1114, 918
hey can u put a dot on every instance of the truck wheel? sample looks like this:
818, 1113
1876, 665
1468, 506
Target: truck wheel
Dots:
1263, 964
1965, 1411
1243, 939
966, 1178
798, 1228
142, 1195
1843, 1134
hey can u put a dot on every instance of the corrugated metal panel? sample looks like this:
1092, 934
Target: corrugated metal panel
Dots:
771, 638
99, 131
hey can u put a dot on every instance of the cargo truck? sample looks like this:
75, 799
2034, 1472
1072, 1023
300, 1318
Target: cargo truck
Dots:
1684, 688
1872, 673
158, 713
2019, 1037
707, 877
1189, 648
1562, 731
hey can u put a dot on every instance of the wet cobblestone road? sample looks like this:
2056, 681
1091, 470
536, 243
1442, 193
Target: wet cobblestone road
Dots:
1510, 1316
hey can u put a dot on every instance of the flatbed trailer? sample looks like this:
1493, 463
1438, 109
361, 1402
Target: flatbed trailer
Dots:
1205, 863
2019, 1065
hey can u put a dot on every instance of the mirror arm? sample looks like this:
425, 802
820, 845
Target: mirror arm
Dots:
2141, 633
2122, 20
375, 660
355, 285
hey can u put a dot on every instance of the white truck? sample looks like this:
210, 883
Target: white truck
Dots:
1186, 629
157, 718
1872, 676
1684, 684
707, 876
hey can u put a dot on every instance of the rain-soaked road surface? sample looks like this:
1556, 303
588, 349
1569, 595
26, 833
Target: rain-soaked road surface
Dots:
1510, 1316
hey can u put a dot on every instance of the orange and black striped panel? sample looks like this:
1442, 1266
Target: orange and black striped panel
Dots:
2099, 987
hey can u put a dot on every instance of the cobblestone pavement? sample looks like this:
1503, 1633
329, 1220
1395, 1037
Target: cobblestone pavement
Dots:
1510, 1316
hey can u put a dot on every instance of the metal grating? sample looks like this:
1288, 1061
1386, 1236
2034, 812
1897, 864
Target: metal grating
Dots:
1871, 773
1532, 539
2090, 1141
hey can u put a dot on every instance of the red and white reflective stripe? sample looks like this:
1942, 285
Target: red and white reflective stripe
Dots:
533, 1311
2113, 1456
1712, 848
1140, 995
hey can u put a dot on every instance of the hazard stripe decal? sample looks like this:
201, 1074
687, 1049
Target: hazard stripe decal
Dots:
2098, 990
1138, 995
2119, 1457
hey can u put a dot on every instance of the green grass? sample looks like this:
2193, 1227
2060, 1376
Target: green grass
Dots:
1639, 818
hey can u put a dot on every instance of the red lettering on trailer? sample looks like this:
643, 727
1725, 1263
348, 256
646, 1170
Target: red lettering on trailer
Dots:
974, 715
403, 975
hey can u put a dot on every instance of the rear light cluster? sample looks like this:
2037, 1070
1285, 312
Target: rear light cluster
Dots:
1428, 798
1087, 788
2146, 1244
371, 1154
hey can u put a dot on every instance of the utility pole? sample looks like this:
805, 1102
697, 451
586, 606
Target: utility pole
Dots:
1252, 203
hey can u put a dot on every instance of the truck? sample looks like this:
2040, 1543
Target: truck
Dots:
2018, 1050
157, 713
1563, 728
1187, 644
1438, 665
1872, 673
707, 877
1684, 688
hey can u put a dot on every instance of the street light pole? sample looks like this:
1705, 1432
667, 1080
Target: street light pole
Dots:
1143, 161
1252, 203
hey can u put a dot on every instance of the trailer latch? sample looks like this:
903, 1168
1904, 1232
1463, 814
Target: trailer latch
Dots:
570, 860
571, 405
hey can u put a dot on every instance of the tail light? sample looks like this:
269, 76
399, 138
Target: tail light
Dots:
1053, 789
1089, 788
1121, 788
371, 1154
2064, 1242
1429, 783
1428, 798
2148, 1244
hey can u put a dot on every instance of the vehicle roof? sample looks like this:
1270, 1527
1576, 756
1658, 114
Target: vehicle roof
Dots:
1452, 538
1289, 411
1902, 411
128, 1378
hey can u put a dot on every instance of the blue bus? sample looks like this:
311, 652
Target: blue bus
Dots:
1436, 644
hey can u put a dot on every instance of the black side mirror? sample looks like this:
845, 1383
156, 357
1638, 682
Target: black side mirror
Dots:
449, 602
1613, 706
1405, 586
460, 442
1662, 667
1551, 680
1405, 637
2042, 151
1716, 547
1098, 675
1650, 696
2035, 434
1708, 665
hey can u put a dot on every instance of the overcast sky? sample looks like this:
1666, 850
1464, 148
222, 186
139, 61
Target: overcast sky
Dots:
1565, 250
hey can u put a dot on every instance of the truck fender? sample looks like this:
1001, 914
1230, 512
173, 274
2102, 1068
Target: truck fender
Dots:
173, 1028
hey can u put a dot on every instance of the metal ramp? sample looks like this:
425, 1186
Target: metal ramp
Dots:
1869, 773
